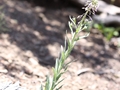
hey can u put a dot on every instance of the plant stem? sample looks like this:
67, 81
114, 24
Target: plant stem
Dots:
51, 83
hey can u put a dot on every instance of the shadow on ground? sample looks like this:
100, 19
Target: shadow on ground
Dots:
38, 29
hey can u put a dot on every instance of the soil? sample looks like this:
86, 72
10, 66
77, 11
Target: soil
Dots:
30, 42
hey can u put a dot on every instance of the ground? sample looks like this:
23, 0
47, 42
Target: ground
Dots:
32, 40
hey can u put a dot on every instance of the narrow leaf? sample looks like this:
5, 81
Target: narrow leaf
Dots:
84, 36
70, 26
59, 87
73, 21
41, 87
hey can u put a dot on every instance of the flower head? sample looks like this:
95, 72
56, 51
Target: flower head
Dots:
91, 6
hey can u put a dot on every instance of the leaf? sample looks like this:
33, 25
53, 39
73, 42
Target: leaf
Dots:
116, 33
70, 26
59, 75
59, 87
41, 87
84, 36
73, 21
59, 82
65, 45
56, 65
47, 84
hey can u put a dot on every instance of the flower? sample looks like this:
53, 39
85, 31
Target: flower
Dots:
91, 6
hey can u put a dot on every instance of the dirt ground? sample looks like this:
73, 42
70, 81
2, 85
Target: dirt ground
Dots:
32, 41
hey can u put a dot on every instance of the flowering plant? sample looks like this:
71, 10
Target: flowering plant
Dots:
60, 65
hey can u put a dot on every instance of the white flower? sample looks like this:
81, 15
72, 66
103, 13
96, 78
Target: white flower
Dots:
91, 6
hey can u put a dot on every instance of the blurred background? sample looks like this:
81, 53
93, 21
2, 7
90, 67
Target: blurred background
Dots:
32, 31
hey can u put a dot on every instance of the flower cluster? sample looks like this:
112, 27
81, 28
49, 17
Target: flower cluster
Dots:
91, 6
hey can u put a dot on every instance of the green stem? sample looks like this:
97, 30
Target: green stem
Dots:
69, 50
